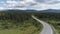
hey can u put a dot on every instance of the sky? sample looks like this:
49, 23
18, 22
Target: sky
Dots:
29, 4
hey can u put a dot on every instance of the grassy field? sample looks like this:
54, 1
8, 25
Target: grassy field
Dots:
26, 28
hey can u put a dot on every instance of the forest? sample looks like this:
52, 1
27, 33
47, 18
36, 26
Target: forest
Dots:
18, 23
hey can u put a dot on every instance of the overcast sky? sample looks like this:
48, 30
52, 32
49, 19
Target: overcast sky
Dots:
29, 4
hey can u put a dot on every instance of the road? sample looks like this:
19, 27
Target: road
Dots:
47, 29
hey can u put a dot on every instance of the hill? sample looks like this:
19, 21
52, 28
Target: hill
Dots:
41, 11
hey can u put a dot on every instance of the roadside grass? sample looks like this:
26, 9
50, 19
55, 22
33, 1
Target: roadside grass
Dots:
28, 30
26, 27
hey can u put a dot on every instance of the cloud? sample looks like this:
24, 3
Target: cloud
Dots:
30, 4
48, 1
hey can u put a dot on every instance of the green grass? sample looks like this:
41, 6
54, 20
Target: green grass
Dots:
26, 27
28, 30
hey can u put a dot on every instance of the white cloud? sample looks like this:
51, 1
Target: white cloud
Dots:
1, 8
11, 3
29, 0
31, 4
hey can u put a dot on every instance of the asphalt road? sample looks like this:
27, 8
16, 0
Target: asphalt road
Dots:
47, 29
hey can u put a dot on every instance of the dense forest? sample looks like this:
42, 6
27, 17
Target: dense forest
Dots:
19, 22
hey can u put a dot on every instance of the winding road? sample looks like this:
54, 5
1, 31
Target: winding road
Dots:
47, 29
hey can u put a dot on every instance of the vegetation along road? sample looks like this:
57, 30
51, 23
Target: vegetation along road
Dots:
47, 29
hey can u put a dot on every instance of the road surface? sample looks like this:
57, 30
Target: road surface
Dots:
47, 29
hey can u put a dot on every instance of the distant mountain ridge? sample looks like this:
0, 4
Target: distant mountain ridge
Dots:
52, 10
49, 10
